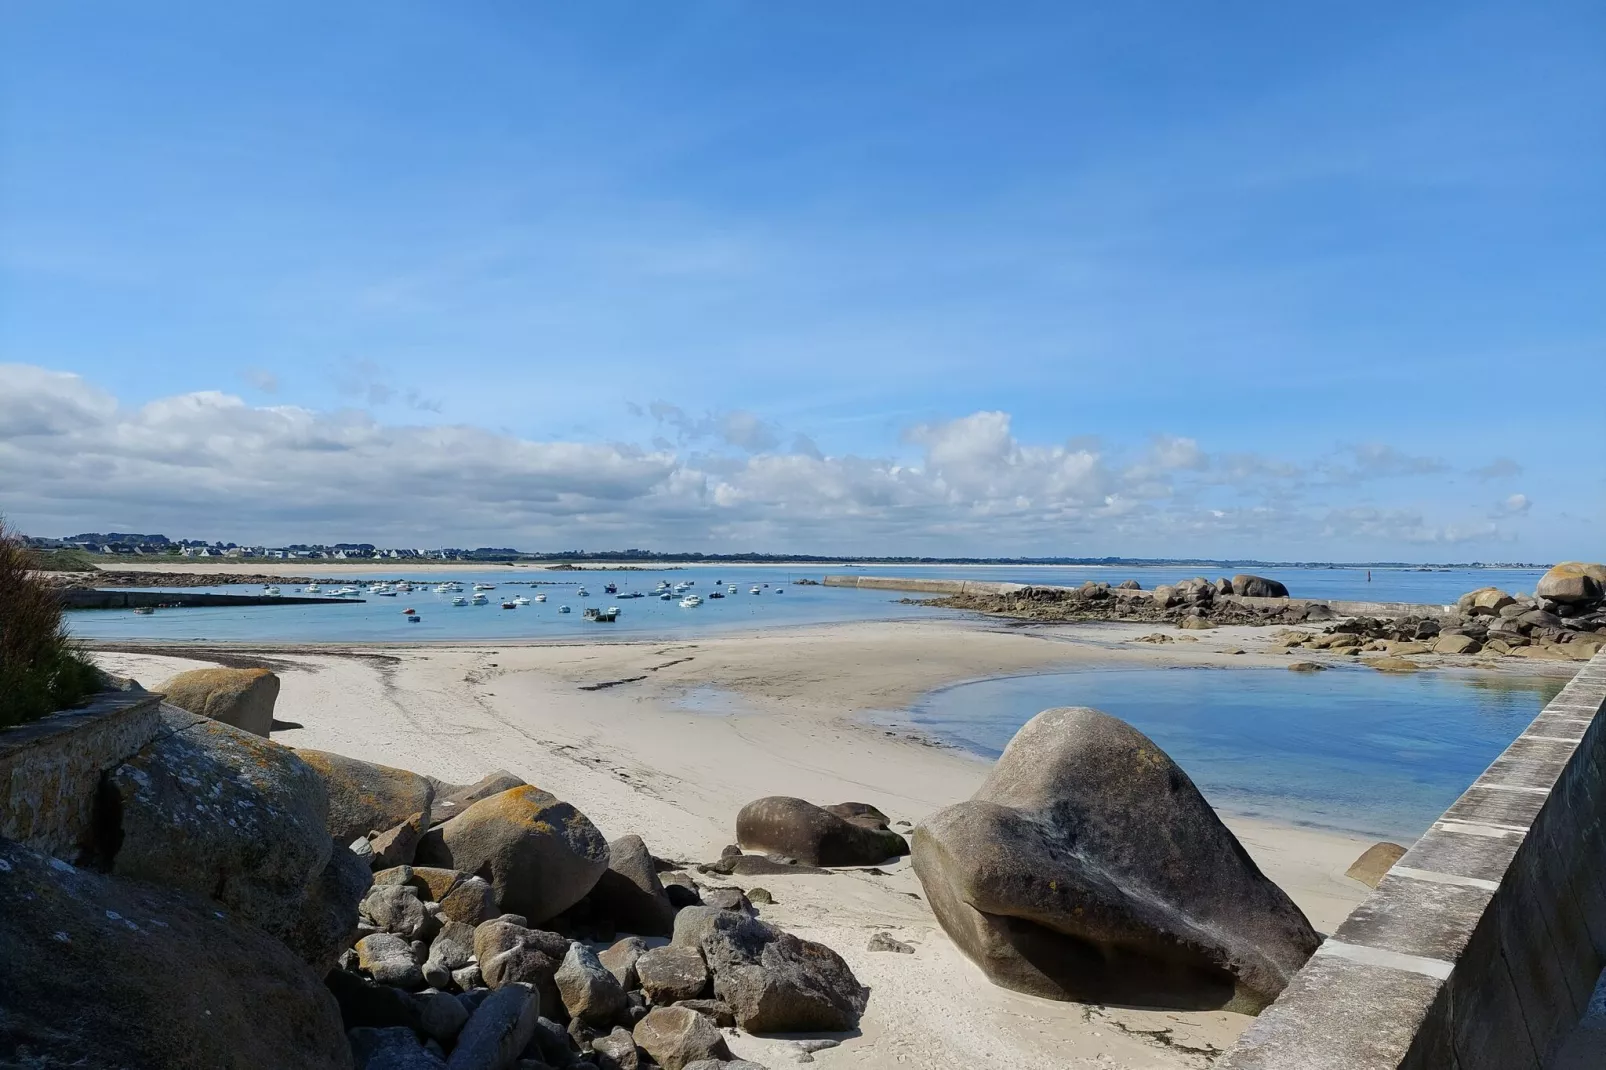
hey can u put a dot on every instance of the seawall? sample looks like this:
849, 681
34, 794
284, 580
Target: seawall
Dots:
80, 599
1341, 607
50, 768
1481, 947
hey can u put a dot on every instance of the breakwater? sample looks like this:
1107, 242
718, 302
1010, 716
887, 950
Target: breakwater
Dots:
96, 599
1481, 947
940, 587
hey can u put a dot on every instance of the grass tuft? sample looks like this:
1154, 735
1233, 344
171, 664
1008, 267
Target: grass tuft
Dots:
41, 670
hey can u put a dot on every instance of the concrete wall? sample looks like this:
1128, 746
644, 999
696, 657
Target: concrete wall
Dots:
84, 599
1479, 950
50, 768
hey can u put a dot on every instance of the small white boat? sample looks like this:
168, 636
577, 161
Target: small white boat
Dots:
666, 596
443, 588
731, 588
521, 601
780, 590
563, 609
404, 587
346, 592
540, 598
663, 585
754, 590
582, 593
691, 601
144, 611
312, 588
509, 605
479, 599
485, 586
387, 594
272, 591
459, 601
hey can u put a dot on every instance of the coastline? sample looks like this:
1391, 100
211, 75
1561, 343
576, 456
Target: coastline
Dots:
682, 733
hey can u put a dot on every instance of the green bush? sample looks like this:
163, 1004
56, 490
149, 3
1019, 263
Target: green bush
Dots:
40, 669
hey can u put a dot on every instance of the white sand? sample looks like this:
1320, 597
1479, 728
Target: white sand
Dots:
784, 712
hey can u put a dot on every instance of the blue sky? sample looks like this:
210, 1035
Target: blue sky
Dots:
1301, 281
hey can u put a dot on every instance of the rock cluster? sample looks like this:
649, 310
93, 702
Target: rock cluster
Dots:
266, 906
1195, 600
1487, 622
473, 943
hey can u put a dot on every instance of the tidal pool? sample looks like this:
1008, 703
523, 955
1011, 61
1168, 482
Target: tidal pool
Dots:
1350, 749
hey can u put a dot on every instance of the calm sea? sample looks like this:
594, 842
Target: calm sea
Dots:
381, 619
1350, 748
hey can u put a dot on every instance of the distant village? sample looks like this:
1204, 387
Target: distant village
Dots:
126, 544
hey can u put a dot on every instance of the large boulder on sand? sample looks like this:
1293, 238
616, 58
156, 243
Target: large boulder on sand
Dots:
243, 698
1374, 862
1573, 583
1247, 586
221, 813
850, 834
364, 797
772, 981
103, 971
1088, 867
540, 855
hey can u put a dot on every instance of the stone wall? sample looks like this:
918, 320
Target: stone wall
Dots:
1481, 947
50, 768
82, 598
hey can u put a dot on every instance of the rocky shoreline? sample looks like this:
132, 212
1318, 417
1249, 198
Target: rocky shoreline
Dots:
1564, 620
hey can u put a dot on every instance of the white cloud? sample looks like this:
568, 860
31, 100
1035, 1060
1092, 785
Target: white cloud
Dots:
1514, 505
209, 464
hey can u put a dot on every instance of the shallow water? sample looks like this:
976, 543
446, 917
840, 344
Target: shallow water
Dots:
381, 619
1350, 749
377, 619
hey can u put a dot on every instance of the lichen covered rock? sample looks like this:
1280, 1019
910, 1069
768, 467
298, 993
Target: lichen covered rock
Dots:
222, 813
540, 855
243, 698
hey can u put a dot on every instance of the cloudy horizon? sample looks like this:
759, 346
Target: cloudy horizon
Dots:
208, 464
1142, 282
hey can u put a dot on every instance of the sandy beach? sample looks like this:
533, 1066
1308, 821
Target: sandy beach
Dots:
669, 740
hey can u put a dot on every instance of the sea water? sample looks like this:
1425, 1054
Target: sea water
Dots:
381, 619
1349, 748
